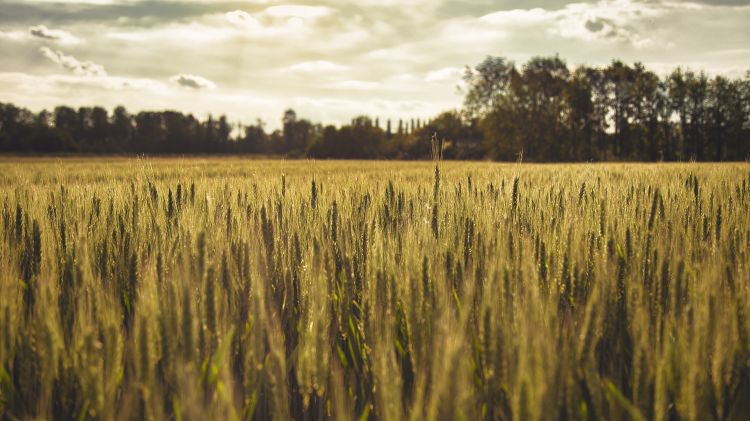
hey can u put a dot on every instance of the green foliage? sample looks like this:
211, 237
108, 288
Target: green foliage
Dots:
618, 112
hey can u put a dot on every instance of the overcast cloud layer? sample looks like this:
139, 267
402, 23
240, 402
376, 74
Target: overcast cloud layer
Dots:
332, 60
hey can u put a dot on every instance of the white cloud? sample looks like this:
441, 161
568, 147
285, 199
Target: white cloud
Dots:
194, 33
81, 68
56, 35
447, 74
12, 35
518, 17
192, 81
403, 78
297, 11
605, 20
242, 19
277, 23
356, 85
320, 66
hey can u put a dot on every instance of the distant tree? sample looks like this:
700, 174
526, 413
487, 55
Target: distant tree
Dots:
209, 134
579, 102
223, 131
177, 132
360, 139
542, 100
297, 133
66, 118
677, 88
620, 79
491, 98
41, 137
255, 139
98, 131
647, 102
462, 136
121, 130
738, 119
697, 109
149, 132
488, 85
366, 138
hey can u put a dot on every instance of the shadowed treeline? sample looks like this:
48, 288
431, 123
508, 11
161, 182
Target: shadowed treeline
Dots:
543, 111
620, 112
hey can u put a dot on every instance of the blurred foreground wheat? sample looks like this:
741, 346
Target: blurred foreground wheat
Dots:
230, 289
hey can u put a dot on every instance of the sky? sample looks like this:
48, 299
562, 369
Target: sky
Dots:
333, 60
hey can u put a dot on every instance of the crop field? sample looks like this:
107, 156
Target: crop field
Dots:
223, 288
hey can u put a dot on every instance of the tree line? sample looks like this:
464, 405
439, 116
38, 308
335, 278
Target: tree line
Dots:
541, 111
620, 112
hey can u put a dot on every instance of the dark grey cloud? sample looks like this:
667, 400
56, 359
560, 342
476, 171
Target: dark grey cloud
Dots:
594, 25
42, 32
608, 29
192, 81
456, 8
81, 68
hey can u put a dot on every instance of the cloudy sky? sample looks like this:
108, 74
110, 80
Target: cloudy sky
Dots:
331, 60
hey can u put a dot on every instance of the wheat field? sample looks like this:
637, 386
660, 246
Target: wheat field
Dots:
224, 288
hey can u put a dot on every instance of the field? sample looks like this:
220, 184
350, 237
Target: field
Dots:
239, 289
